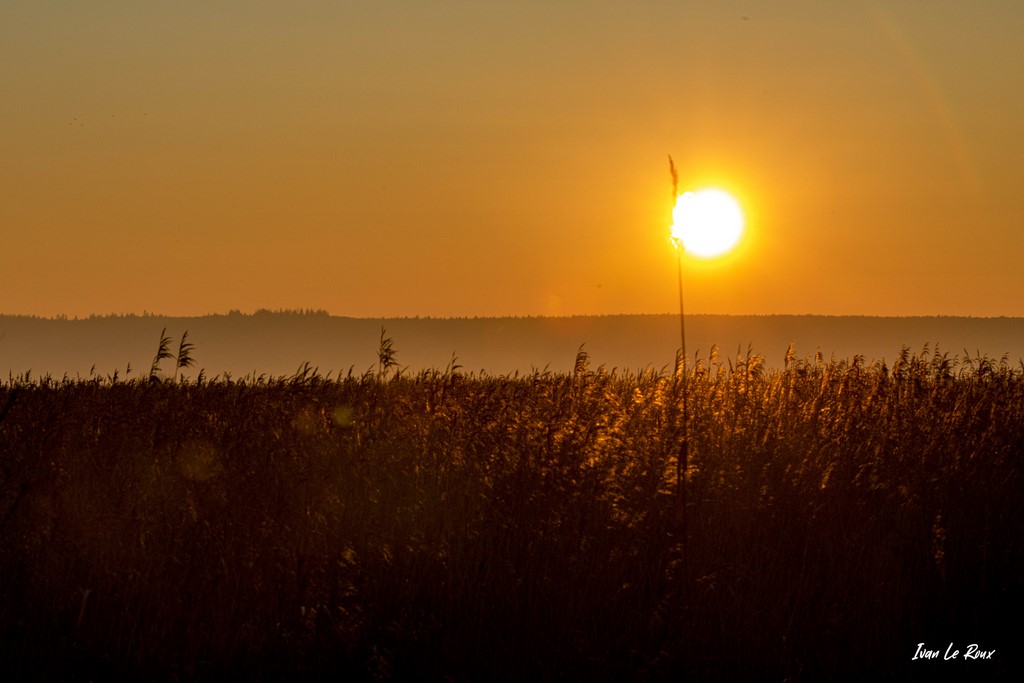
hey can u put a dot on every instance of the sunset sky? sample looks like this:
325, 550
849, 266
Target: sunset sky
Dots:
457, 158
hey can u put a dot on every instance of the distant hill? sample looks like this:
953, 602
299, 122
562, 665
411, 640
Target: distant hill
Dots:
279, 343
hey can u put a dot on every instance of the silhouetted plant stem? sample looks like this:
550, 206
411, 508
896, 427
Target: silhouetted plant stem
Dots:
682, 461
163, 352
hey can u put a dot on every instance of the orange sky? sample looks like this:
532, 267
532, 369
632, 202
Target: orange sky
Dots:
508, 158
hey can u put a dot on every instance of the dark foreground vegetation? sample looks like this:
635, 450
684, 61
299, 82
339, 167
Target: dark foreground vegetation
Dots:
463, 527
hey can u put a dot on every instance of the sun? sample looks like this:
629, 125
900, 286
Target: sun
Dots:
707, 222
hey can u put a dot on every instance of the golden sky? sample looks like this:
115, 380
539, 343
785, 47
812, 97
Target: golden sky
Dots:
459, 158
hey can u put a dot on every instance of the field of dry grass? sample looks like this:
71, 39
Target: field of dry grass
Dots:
450, 526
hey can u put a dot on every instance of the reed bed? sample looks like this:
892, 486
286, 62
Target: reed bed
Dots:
451, 526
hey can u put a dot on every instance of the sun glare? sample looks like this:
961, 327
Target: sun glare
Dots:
707, 222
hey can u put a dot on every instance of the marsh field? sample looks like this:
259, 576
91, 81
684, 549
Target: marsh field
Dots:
829, 516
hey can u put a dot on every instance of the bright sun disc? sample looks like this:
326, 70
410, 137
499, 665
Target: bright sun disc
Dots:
707, 222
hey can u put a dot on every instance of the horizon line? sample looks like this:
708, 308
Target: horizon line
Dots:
262, 312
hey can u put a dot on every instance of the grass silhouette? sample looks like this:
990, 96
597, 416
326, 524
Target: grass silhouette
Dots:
443, 525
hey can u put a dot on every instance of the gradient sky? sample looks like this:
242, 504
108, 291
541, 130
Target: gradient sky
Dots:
461, 158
